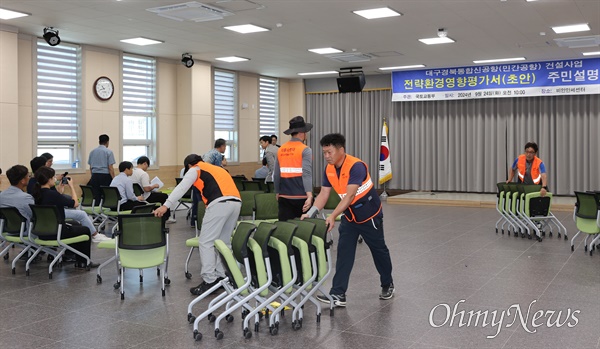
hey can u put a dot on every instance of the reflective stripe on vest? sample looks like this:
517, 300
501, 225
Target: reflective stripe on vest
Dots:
291, 170
536, 176
214, 182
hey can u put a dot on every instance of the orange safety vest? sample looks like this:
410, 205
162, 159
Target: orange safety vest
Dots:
535, 169
289, 158
366, 203
214, 182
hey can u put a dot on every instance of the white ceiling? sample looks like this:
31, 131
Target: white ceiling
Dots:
483, 29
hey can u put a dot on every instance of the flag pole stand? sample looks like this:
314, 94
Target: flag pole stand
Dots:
383, 195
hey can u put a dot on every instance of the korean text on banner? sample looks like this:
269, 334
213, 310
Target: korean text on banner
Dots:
385, 165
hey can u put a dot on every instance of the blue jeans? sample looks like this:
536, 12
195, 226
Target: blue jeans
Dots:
372, 233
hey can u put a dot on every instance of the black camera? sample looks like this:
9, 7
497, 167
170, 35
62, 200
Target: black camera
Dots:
65, 179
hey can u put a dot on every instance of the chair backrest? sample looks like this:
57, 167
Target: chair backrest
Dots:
320, 229
266, 206
500, 187
239, 243
200, 215
284, 233
141, 231
45, 220
263, 233
270, 187
248, 202
143, 208
110, 197
332, 201
531, 188
137, 189
87, 195
237, 179
587, 206
12, 221
252, 186
188, 194
305, 232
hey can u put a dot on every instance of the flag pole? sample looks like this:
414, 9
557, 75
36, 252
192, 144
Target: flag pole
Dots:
384, 195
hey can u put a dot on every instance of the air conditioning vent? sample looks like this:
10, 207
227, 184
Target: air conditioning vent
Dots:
350, 57
580, 41
190, 11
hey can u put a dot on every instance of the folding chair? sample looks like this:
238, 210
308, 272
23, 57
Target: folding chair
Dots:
501, 208
586, 215
194, 243
231, 258
12, 233
253, 186
537, 212
89, 204
142, 242
46, 221
247, 197
186, 201
266, 207
137, 189
322, 241
110, 206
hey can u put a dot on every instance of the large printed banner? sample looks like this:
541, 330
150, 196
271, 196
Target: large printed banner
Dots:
563, 77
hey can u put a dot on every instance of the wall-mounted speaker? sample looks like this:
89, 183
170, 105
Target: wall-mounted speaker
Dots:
351, 83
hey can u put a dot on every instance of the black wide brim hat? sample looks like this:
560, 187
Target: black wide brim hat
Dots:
297, 124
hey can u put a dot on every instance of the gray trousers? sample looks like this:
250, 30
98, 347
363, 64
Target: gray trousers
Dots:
219, 222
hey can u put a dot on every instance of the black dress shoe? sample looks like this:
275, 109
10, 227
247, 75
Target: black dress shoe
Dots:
69, 259
82, 265
205, 286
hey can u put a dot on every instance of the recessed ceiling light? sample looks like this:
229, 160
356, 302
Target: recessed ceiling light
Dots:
591, 53
571, 28
246, 28
232, 59
400, 67
319, 72
374, 13
438, 40
531, 0
9, 14
500, 60
141, 41
325, 50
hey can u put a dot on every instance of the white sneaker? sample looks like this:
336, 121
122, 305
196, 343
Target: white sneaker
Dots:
99, 237
171, 220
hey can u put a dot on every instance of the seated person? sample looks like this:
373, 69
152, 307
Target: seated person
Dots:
141, 177
45, 177
125, 185
263, 171
15, 196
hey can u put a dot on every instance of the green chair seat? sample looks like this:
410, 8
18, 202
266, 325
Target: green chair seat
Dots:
11, 238
259, 262
115, 213
140, 259
107, 244
230, 261
321, 258
95, 210
192, 242
68, 241
302, 247
286, 269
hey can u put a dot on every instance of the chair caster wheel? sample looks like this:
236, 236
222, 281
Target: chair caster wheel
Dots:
122, 296
50, 258
13, 271
229, 318
296, 325
188, 276
167, 281
218, 334
565, 236
117, 285
550, 234
318, 318
5, 257
273, 330
572, 248
591, 252
585, 248
197, 335
141, 279
163, 292
211, 318
191, 318
50, 275
247, 333
99, 279
157, 272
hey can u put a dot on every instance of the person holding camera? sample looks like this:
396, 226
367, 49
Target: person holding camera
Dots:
44, 195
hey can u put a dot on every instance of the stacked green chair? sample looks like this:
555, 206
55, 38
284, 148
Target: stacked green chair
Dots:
586, 215
194, 243
536, 212
512, 205
89, 204
12, 233
46, 221
501, 204
186, 201
266, 207
234, 275
283, 268
142, 242
247, 197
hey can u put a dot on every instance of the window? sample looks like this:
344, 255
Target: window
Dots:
224, 98
139, 107
58, 102
268, 107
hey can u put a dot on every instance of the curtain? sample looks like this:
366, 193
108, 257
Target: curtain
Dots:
464, 145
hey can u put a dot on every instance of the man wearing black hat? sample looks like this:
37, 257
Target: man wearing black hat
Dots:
293, 172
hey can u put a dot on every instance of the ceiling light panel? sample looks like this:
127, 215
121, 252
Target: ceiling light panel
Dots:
375, 13
246, 28
325, 50
9, 14
400, 67
498, 60
140, 41
591, 53
438, 40
232, 59
319, 72
571, 28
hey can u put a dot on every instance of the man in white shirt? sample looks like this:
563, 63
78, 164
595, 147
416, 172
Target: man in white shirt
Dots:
141, 177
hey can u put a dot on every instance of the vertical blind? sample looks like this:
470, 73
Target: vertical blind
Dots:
58, 95
224, 100
139, 95
268, 106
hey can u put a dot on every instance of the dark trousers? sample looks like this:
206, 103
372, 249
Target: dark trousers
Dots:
372, 233
290, 208
71, 231
196, 197
157, 197
97, 180
130, 204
